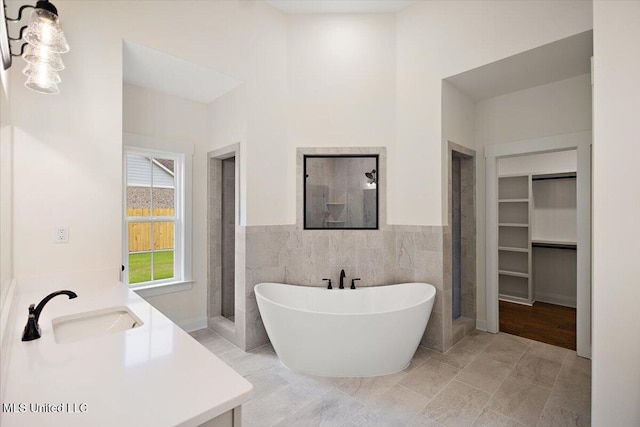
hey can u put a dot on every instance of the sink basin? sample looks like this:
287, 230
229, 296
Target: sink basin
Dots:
78, 327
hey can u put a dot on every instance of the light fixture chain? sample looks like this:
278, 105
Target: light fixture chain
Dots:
20, 36
21, 50
19, 18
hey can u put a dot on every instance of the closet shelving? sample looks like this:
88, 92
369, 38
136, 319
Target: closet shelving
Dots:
514, 238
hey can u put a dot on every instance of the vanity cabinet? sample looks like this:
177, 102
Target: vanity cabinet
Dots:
230, 418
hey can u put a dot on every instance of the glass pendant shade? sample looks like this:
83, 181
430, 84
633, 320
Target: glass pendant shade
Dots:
37, 55
44, 31
49, 88
41, 73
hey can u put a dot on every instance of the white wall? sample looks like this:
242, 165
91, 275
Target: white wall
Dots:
554, 216
525, 115
438, 39
540, 164
68, 165
227, 118
551, 109
177, 125
341, 85
458, 117
458, 126
616, 206
6, 197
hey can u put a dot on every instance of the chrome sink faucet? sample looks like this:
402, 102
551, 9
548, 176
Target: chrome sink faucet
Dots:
32, 329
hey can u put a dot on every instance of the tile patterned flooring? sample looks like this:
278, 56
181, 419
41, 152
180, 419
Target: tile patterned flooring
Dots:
484, 380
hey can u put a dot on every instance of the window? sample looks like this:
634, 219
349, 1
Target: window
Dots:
153, 218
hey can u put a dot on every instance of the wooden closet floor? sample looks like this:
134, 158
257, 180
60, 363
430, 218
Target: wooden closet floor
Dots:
548, 323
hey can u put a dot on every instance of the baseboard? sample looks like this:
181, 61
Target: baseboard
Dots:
556, 299
481, 324
193, 324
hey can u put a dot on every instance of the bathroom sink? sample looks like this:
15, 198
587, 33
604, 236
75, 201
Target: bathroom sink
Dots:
78, 327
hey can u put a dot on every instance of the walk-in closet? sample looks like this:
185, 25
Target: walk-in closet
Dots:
537, 235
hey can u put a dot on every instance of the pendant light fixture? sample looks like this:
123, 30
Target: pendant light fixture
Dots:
45, 41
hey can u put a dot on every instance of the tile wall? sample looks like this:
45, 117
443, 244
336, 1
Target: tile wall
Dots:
394, 254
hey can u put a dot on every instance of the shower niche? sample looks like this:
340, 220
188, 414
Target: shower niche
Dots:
341, 192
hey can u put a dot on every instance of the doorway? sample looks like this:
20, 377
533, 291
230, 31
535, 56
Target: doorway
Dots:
537, 225
223, 289
462, 256
518, 256
228, 232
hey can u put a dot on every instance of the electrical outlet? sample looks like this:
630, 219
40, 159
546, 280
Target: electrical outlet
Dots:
61, 234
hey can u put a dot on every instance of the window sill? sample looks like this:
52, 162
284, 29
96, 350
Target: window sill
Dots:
163, 288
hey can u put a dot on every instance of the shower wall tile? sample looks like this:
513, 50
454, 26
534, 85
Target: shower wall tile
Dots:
370, 266
405, 250
433, 336
447, 319
438, 303
272, 274
214, 198
240, 268
256, 335
370, 239
405, 275
389, 255
263, 249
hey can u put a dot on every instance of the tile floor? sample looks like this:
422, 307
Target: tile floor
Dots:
484, 380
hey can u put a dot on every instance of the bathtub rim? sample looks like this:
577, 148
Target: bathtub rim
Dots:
432, 296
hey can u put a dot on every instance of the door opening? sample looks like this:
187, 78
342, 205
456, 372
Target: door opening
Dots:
537, 242
456, 238
538, 234
228, 232
462, 253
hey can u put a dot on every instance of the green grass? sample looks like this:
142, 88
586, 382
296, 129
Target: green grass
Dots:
140, 266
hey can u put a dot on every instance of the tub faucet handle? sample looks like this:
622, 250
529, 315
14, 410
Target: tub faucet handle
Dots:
329, 280
353, 283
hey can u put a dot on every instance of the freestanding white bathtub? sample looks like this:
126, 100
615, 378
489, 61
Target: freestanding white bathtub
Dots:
361, 332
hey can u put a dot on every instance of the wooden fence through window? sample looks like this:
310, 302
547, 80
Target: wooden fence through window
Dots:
140, 232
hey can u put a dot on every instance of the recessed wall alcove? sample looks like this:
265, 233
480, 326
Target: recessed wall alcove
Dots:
460, 245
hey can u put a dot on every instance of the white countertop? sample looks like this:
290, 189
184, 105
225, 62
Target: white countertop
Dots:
153, 375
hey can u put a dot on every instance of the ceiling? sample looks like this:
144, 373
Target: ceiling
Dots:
339, 6
563, 59
152, 69
549, 63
